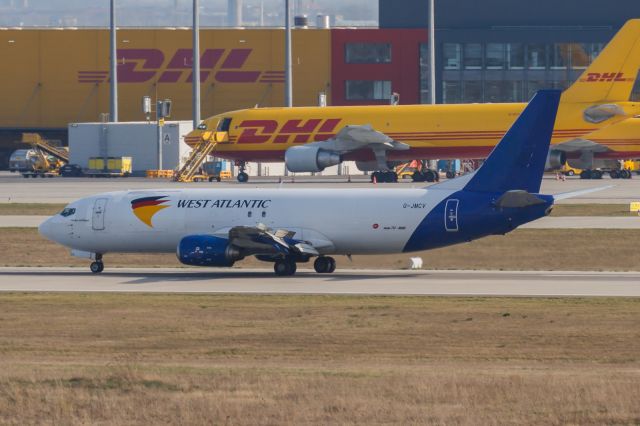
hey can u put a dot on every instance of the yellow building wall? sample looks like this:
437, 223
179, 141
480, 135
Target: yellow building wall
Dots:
51, 77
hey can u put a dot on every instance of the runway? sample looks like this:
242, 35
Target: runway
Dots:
360, 282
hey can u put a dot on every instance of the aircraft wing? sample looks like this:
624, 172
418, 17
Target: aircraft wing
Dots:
354, 137
260, 237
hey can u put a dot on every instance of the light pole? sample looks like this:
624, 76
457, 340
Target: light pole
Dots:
196, 65
432, 53
113, 64
288, 77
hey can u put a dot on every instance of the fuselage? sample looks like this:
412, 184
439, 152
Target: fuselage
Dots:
335, 221
432, 131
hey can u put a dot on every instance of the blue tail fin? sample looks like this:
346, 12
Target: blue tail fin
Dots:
518, 161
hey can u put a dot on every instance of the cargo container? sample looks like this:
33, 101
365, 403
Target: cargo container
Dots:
115, 167
137, 140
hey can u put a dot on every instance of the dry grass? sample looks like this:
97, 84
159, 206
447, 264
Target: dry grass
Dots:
591, 210
172, 359
29, 209
525, 249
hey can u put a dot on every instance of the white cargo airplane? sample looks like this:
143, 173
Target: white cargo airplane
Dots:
217, 227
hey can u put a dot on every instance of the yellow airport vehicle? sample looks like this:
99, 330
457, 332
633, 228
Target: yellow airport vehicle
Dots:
46, 159
595, 125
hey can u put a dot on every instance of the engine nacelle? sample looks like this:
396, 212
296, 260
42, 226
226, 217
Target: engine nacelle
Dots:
310, 158
207, 250
555, 160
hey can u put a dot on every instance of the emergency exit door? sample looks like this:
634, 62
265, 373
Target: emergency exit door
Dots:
99, 207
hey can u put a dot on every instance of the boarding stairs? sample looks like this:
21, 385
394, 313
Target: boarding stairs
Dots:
43, 145
198, 155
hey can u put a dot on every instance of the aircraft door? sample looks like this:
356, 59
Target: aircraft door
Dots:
97, 219
451, 216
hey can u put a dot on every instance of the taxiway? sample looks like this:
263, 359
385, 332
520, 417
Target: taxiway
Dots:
361, 282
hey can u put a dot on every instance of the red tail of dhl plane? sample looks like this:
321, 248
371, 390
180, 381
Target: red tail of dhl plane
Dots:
595, 125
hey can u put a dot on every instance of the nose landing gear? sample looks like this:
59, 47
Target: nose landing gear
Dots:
97, 266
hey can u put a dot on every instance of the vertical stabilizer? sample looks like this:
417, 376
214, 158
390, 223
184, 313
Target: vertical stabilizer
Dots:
611, 76
517, 162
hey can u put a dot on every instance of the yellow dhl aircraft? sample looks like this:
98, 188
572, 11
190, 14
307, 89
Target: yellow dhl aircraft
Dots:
596, 125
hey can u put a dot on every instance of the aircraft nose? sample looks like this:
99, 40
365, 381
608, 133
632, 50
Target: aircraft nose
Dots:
47, 229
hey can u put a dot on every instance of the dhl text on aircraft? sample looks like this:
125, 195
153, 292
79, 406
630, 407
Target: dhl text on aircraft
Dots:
596, 124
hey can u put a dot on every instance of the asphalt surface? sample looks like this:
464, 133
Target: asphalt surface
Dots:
362, 282
569, 222
14, 188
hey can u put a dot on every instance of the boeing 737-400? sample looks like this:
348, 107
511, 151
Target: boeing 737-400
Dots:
596, 125
217, 227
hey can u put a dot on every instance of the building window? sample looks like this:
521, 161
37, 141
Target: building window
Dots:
368, 53
536, 53
494, 56
580, 55
515, 56
513, 91
368, 90
533, 86
559, 56
451, 92
493, 91
472, 91
424, 74
596, 48
452, 55
472, 56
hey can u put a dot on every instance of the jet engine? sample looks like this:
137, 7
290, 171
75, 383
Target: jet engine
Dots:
207, 250
309, 158
555, 160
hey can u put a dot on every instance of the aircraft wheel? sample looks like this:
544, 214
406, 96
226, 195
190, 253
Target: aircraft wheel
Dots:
96, 267
324, 265
615, 174
332, 265
284, 268
429, 176
243, 177
625, 174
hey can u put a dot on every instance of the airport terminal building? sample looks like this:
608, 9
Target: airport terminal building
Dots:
57, 76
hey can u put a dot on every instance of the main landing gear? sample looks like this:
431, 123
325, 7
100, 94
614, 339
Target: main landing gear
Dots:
324, 265
97, 266
243, 177
287, 266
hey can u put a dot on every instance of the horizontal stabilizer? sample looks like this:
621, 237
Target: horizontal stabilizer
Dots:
572, 194
518, 199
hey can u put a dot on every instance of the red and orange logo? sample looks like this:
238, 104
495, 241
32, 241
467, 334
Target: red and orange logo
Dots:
145, 208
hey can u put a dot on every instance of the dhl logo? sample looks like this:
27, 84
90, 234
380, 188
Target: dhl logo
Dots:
594, 77
142, 65
301, 131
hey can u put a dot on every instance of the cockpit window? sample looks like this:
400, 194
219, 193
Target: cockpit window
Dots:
202, 126
67, 212
224, 125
